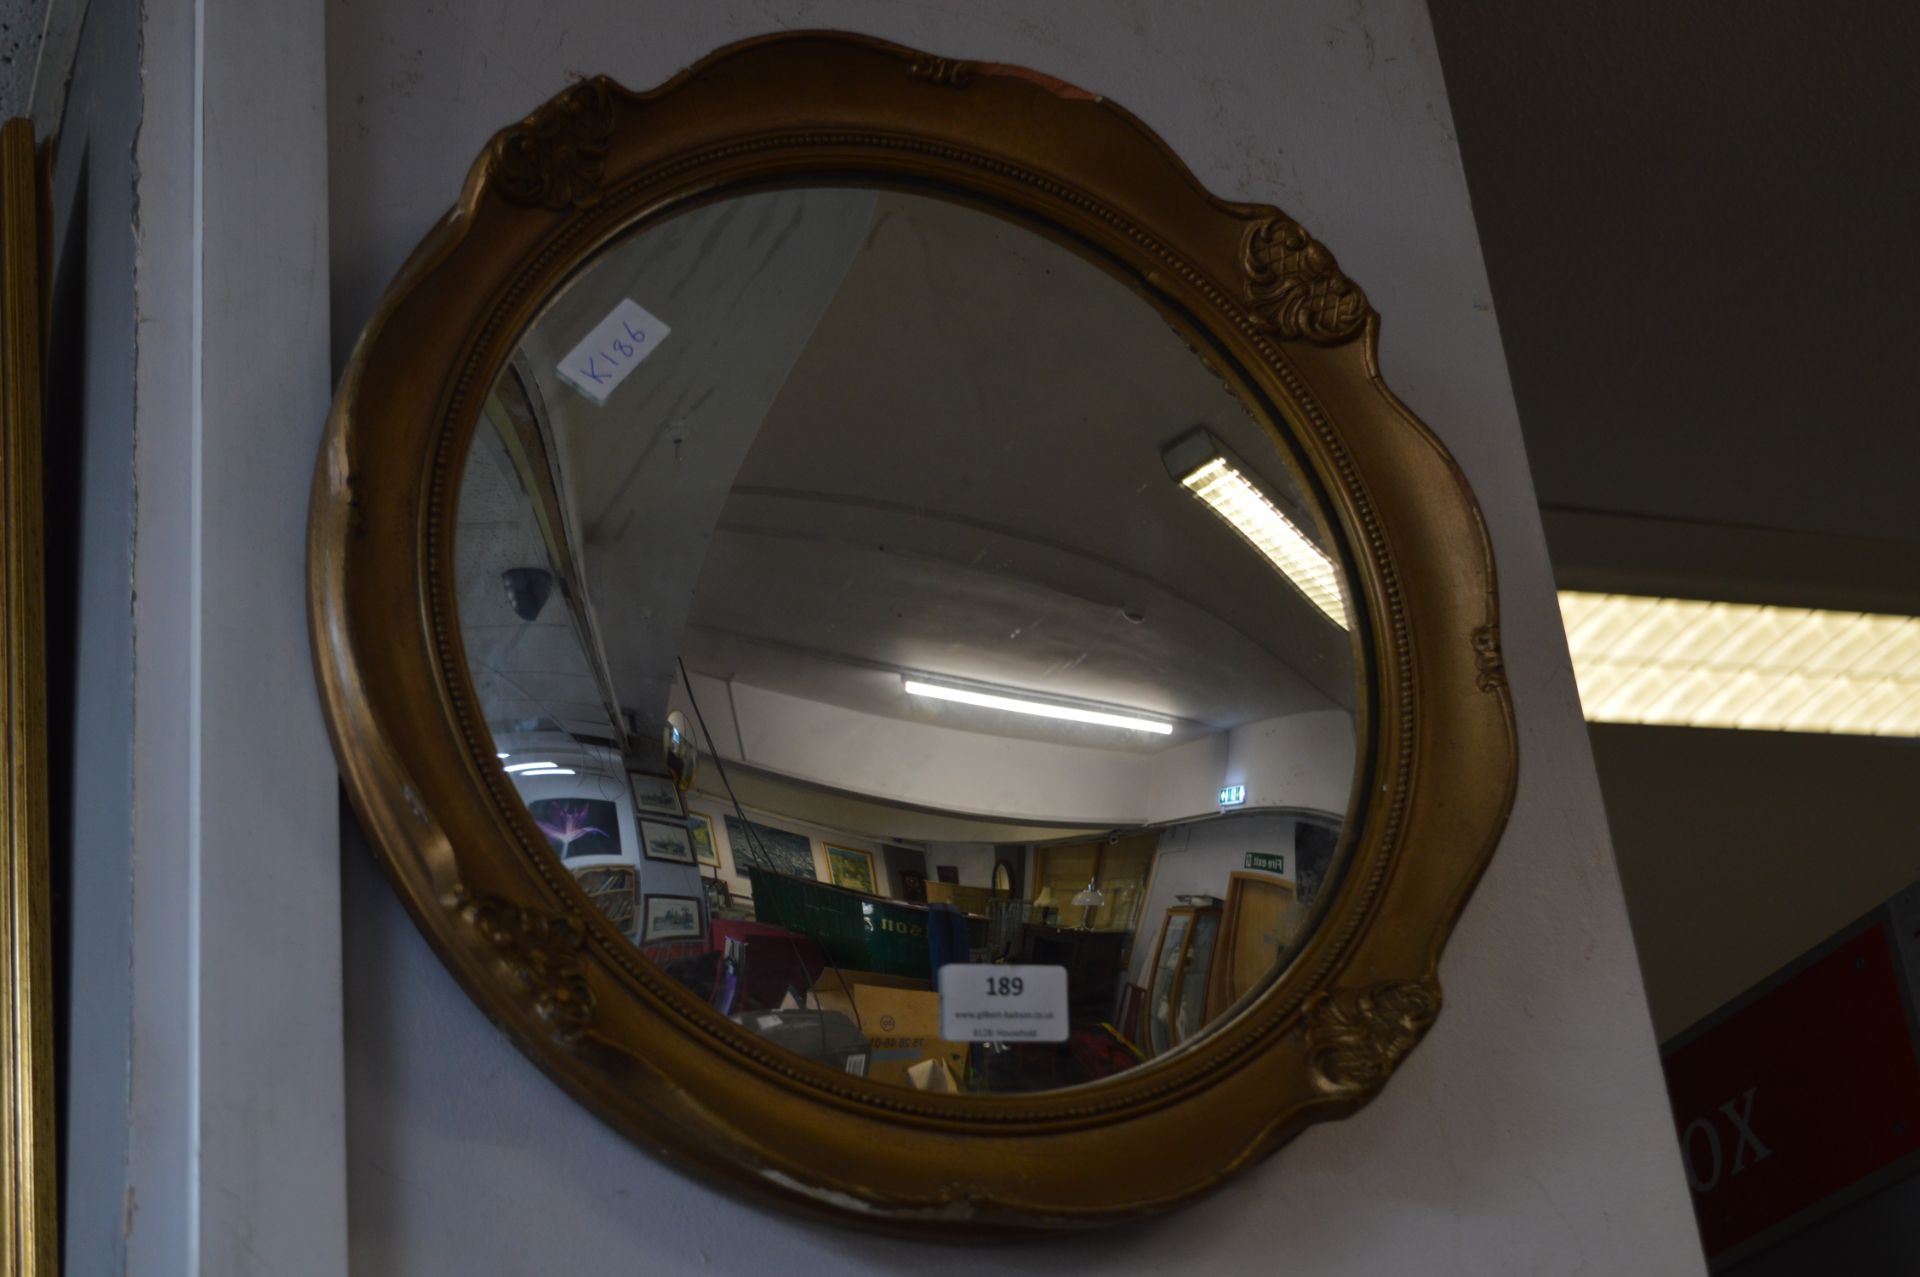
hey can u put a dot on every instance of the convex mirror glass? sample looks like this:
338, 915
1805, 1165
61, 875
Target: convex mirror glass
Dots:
867, 593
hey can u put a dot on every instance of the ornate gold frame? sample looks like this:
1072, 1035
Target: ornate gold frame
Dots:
28, 1243
1286, 328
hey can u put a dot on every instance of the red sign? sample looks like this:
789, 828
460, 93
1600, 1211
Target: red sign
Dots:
1800, 1093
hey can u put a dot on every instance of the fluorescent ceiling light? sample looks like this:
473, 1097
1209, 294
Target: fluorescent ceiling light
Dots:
549, 771
1696, 664
1016, 703
503, 755
527, 767
1232, 496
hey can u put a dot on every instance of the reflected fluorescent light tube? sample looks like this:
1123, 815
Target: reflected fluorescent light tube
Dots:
1231, 495
527, 767
1016, 704
1688, 663
548, 771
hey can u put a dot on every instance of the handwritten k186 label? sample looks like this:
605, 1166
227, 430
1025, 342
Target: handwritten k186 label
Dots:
985, 1002
612, 350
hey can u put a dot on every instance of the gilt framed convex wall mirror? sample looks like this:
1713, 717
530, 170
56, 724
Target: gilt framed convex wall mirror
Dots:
900, 648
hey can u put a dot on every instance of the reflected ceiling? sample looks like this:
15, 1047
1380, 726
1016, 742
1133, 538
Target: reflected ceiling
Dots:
942, 475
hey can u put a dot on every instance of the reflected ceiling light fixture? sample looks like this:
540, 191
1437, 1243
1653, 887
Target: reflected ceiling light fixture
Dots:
1089, 898
1692, 663
1024, 703
527, 767
549, 771
527, 590
1203, 466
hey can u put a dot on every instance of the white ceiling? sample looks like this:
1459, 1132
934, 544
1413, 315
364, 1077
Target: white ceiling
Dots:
645, 475
932, 445
1699, 226
526, 674
20, 26
966, 460
1699, 223
38, 42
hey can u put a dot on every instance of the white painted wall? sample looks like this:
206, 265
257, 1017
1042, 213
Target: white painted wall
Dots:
237, 1144
1188, 776
973, 860
1529, 1134
89, 530
1295, 760
940, 767
1743, 850
1292, 760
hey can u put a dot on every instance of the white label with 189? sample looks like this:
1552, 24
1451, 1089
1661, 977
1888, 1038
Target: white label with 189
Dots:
988, 1002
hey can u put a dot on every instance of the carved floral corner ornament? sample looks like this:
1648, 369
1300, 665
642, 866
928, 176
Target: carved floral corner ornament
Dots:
556, 157
1356, 1037
1295, 288
1490, 668
542, 952
948, 71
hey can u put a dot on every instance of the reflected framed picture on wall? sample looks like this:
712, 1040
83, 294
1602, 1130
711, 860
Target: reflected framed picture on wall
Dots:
852, 868
577, 828
615, 889
664, 840
656, 795
779, 850
700, 832
671, 918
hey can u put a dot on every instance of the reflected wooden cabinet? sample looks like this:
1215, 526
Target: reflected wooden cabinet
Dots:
1262, 920
1177, 982
1093, 962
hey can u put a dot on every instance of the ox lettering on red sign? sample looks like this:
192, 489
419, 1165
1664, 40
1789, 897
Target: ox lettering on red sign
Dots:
1807, 1088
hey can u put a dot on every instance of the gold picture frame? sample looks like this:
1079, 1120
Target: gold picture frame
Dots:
706, 852
1285, 329
26, 958
852, 868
